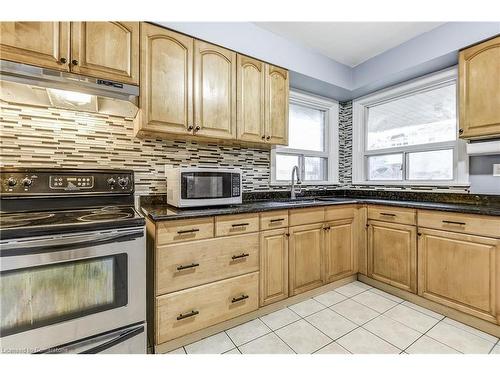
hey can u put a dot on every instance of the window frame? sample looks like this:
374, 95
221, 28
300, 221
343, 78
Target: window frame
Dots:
331, 153
360, 130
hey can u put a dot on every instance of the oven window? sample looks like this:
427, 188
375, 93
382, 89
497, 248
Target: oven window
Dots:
43, 295
206, 185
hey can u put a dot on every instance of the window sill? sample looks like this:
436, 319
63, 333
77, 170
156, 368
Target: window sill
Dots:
309, 183
411, 184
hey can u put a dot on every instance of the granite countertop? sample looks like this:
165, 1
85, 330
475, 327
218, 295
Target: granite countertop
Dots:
162, 211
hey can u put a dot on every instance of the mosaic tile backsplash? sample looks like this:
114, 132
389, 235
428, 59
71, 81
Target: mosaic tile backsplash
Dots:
48, 137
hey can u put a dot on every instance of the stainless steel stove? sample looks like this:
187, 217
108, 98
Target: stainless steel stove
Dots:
73, 262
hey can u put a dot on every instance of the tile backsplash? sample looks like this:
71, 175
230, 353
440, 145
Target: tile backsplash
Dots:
47, 137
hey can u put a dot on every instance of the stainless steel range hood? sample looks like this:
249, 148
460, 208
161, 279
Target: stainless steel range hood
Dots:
26, 84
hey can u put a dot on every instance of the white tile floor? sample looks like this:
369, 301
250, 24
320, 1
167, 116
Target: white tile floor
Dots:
354, 318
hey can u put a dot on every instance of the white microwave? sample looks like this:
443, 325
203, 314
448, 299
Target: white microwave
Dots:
197, 187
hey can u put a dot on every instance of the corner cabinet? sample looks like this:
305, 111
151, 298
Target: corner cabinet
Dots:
214, 91
166, 94
461, 271
479, 80
273, 266
106, 50
44, 44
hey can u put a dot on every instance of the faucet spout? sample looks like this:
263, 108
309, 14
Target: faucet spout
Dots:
295, 172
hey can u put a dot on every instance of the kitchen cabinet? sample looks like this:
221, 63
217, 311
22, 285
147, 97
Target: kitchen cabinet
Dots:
276, 105
306, 249
461, 271
392, 254
273, 266
44, 44
166, 93
214, 91
340, 249
479, 92
251, 101
108, 50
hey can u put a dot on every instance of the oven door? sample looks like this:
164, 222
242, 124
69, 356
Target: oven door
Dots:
58, 289
204, 188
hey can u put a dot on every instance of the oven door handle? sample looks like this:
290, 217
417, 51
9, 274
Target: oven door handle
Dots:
68, 243
115, 341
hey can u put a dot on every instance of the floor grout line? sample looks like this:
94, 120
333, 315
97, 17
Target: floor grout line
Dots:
272, 331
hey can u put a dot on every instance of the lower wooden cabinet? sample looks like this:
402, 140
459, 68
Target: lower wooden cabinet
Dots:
189, 310
306, 257
392, 254
340, 249
273, 266
461, 271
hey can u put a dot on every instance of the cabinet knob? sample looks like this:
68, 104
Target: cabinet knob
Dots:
460, 131
268, 137
63, 60
74, 62
263, 137
197, 127
190, 128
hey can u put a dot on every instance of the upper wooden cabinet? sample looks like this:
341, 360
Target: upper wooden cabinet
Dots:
460, 271
166, 81
44, 44
106, 50
276, 102
251, 102
479, 79
214, 91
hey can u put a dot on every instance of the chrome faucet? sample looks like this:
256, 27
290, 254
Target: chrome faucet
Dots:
295, 171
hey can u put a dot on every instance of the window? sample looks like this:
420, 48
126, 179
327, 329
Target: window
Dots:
312, 142
408, 134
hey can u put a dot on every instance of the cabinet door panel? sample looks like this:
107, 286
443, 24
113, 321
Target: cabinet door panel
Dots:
277, 105
392, 255
479, 78
166, 80
215, 91
340, 250
250, 104
306, 258
273, 266
108, 50
460, 271
41, 44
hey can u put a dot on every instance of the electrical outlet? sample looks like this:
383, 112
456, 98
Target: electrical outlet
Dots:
496, 170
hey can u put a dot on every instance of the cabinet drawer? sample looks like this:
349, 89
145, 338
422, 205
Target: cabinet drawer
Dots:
301, 216
339, 212
184, 230
393, 214
463, 223
273, 220
183, 312
189, 264
236, 224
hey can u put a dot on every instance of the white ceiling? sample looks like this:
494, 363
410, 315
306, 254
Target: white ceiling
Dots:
349, 43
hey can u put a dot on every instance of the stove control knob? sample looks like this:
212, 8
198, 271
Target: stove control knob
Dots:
12, 182
111, 181
123, 181
27, 182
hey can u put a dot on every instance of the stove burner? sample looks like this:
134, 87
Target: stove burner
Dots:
17, 220
106, 214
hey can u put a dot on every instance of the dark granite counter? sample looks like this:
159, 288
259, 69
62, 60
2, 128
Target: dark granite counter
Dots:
158, 210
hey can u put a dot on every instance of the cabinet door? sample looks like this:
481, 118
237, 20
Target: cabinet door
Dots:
392, 254
340, 250
250, 104
44, 44
276, 105
214, 91
479, 78
273, 266
306, 257
166, 80
108, 50
460, 271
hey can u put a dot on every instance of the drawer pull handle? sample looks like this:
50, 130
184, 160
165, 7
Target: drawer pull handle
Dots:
242, 255
188, 315
386, 214
240, 298
277, 220
192, 265
453, 222
188, 231
240, 225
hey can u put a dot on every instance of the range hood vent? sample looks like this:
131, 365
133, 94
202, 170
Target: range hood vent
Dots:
484, 148
26, 84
